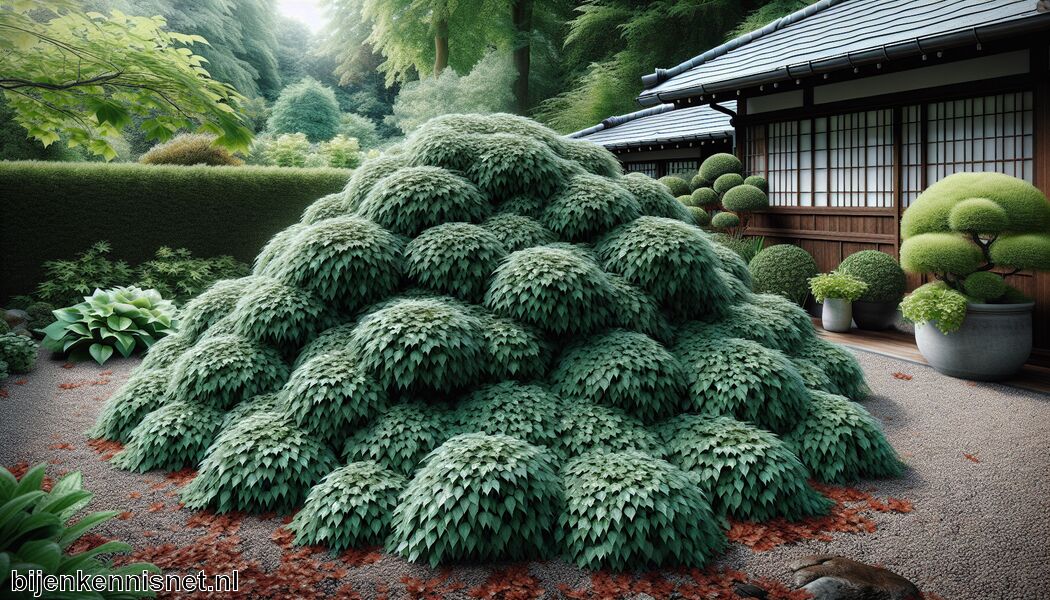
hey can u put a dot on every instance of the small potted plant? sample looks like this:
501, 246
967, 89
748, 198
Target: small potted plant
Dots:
969, 231
836, 291
876, 309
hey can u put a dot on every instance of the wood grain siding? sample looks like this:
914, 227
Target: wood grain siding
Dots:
829, 234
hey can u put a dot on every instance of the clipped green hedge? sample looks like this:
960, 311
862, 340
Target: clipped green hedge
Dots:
209, 210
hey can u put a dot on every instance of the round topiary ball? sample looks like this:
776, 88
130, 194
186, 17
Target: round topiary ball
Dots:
727, 182
885, 279
225, 370
700, 216
416, 198
517, 232
263, 463
1025, 251
524, 411
704, 196
746, 198
144, 392
759, 182
748, 473
421, 344
588, 207
839, 364
559, 290
368, 175
330, 396
984, 286
783, 269
455, 259
350, 508
586, 426
508, 165
18, 351
716, 165
174, 436
676, 185
742, 379
624, 369
686, 200
629, 510
839, 441
697, 181
940, 253
653, 198
401, 436
725, 220
978, 215
278, 314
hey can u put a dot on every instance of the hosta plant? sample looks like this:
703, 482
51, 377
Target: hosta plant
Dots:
124, 320
938, 304
38, 533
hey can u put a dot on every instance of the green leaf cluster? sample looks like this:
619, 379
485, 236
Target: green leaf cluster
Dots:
841, 367
586, 426
937, 304
144, 392
213, 304
68, 281
178, 275
676, 185
524, 411
400, 437
517, 232
454, 259
654, 198
836, 285
412, 199
18, 352
224, 370
173, 436
589, 206
306, 107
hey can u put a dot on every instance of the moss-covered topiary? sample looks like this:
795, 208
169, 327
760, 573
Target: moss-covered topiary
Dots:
839, 441
1025, 251
757, 181
478, 497
171, 437
839, 364
412, 199
609, 518
401, 436
727, 182
517, 232
984, 286
783, 269
350, 508
455, 259
144, 392
675, 185
588, 207
725, 220
885, 279
748, 473
1025, 206
716, 165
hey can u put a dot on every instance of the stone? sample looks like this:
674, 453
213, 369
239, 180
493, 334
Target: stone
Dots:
748, 590
837, 578
16, 317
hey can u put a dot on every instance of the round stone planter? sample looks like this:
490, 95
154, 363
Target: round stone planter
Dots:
875, 316
993, 343
837, 315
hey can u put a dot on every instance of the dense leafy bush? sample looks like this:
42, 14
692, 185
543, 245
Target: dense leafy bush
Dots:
637, 311
360, 128
508, 165
676, 185
179, 276
588, 207
340, 152
586, 426
122, 319
748, 473
733, 263
745, 198
704, 197
515, 351
839, 441
455, 259
164, 353
725, 220
783, 269
328, 207
984, 286
38, 534
836, 285
306, 107
278, 314
727, 182
263, 463
838, 364
609, 519
68, 281
524, 411
17, 352
517, 232
653, 198
415, 198
401, 436
173, 436
592, 157
224, 370
478, 497
814, 376
190, 149
285, 150
213, 304
884, 277
935, 303
720, 164
350, 508
367, 175
144, 392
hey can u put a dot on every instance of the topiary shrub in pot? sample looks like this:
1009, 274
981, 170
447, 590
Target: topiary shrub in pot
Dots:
836, 291
969, 231
876, 308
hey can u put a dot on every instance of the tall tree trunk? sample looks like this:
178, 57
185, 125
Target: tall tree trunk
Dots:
440, 44
521, 15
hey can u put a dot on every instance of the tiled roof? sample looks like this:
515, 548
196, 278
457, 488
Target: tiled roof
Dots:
661, 124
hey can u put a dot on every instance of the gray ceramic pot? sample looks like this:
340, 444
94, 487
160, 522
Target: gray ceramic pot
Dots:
837, 314
993, 343
875, 316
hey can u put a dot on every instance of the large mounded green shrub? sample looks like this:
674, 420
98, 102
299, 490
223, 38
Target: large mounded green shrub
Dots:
489, 324
306, 107
783, 269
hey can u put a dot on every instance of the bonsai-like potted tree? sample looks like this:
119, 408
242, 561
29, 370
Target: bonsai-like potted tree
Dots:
876, 308
969, 231
836, 291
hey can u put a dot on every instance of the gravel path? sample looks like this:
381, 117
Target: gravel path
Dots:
979, 480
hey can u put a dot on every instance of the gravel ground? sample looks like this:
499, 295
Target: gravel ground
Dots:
979, 458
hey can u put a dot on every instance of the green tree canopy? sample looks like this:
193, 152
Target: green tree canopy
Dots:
306, 107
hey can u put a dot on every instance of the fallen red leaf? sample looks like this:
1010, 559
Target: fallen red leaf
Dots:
61, 446
902, 376
135, 495
155, 507
106, 449
21, 381
68, 365
971, 458
124, 516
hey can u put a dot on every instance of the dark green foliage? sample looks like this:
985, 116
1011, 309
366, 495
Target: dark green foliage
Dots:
936, 303
740, 378
623, 369
277, 314
783, 269
628, 510
3, 370
368, 175
441, 146
765, 325
978, 215
213, 304
653, 198
885, 279
164, 353
517, 232
422, 344
330, 396
527, 412
455, 259
178, 276
261, 403
814, 376
673, 262
748, 473
733, 263
592, 157
306, 107
328, 207
173, 436
637, 311
346, 261
839, 441
839, 364
514, 351
790, 322
190, 149
745, 247
725, 220
224, 370
704, 197
556, 289
697, 181
700, 216
478, 497
676, 185
586, 426
263, 463
18, 352
144, 392
336, 339
40, 314
276, 246
38, 535
415, 198
588, 207
68, 281
214, 211
720, 164
524, 205
984, 286
508, 165
726, 182
757, 181
401, 436
745, 198
350, 508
